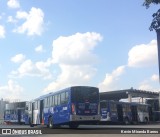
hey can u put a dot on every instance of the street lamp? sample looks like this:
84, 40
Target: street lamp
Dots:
155, 25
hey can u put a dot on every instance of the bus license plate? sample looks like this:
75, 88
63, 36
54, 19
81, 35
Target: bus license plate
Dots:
87, 112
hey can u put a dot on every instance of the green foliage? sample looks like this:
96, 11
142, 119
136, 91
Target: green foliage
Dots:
148, 2
155, 25
156, 21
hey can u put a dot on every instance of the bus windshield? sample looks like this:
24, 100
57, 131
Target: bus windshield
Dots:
85, 94
103, 104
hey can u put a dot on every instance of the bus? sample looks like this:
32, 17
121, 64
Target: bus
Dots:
15, 112
140, 112
154, 102
71, 106
123, 112
108, 111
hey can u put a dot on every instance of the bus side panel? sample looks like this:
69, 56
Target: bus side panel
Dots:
46, 115
134, 113
61, 114
26, 119
7, 117
113, 112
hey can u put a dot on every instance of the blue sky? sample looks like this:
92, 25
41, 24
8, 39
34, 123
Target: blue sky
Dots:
52, 44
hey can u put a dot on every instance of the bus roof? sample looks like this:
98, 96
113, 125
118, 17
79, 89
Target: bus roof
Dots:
58, 91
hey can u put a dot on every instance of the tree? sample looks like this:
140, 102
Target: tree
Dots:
155, 25
147, 3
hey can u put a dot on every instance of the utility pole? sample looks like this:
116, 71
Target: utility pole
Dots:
155, 25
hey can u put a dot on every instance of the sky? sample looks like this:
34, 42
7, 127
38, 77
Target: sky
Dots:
48, 45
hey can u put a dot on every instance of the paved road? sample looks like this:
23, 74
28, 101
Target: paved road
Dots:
151, 125
91, 130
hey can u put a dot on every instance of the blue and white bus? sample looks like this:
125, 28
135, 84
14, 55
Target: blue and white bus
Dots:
71, 106
15, 112
123, 112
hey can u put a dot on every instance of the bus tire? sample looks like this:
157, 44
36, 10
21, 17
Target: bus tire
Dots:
126, 121
73, 126
50, 123
30, 123
146, 120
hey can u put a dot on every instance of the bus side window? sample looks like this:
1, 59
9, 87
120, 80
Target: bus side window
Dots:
140, 108
53, 101
103, 104
50, 101
38, 104
113, 107
66, 96
63, 98
35, 105
30, 106
59, 99
45, 102
56, 100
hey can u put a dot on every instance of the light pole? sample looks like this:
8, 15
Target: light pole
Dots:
155, 25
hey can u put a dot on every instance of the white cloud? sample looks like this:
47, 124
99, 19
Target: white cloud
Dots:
155, 78
11, 19
13, 4
38, 69
76, 49
72, 76
75, 58
39, 49
143, 55
34, 22
22, 15
2, 32
147, 86
109, 83
11, 91
18, 58
150, 84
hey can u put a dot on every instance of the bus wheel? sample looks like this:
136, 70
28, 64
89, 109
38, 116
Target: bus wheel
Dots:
126, 121
50, 122
30, 123
73, 126
146, 120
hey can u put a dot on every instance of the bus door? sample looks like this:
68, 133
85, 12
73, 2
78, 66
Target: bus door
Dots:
113, 111
41, 111
103, 110
150, 113
32, 108
19, 115
134, 113
120, 112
